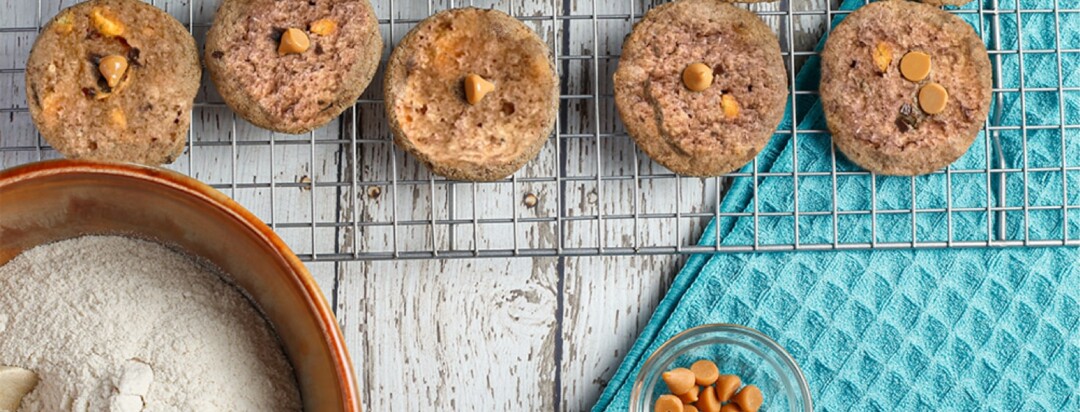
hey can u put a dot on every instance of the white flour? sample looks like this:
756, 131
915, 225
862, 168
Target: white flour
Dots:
111, 323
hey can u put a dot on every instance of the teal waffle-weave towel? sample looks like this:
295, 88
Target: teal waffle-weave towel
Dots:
945, 329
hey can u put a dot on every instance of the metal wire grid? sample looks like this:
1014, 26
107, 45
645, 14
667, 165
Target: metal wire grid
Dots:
354, 196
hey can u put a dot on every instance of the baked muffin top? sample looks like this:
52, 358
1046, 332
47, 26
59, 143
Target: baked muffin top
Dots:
877, 112
721, 127
430, 112
113, 80
292, 91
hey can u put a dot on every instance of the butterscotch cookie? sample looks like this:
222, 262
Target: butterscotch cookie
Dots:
113, 80
701, 86
471, 93
292, 65
905, 87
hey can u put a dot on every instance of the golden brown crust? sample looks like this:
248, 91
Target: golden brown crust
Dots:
690, 132
875, 117
145, 118
293, 93
427, 110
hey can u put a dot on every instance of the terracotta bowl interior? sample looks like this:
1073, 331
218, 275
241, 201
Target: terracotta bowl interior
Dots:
51, 201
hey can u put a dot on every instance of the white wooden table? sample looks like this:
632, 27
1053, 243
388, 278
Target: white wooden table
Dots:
541, 333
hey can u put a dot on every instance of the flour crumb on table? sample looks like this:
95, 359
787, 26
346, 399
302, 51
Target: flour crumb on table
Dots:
117, 324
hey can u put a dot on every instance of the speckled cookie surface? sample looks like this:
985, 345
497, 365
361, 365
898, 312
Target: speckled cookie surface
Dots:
292, 93
686, 131
874, 116
145, 117
426, 105
946, 2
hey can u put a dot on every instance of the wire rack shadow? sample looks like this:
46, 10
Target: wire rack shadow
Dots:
345, 192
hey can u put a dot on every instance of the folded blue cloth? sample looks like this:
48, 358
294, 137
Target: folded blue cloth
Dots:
941, 329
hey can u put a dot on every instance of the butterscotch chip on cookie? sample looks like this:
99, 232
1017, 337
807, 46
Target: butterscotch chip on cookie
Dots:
292, 65
678, 117
113, 80
920, 113
471, 93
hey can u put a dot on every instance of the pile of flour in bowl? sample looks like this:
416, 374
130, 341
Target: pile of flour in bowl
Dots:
116, 324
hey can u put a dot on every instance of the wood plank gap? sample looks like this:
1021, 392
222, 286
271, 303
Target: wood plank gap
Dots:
560, 305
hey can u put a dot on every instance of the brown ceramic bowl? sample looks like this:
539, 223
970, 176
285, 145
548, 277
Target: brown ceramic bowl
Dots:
55, 200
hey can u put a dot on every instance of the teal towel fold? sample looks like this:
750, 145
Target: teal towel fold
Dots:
941, 329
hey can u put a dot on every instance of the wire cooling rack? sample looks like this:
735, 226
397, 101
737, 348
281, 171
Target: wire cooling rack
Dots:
344, 192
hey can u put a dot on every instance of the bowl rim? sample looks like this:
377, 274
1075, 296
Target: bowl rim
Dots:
789, 361
188, 186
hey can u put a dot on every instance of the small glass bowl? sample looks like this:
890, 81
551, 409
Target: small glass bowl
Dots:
737, 350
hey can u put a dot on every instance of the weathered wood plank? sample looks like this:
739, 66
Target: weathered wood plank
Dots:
475, 334
608, 301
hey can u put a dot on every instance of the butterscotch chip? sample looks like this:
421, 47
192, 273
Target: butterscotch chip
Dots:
883, 57
730, 407
678, 380
689, 408
705, 372
118, 118
932, 98
730, 106
296, 93
113, 67
105, 22
749, 398
51, 105
726, 385
915, 66
63, 23
697, 77
693, 133
707, 401
110, 89
876, 120
668, 403
476, 88
323, 27
496, 136
293, 41
691, 395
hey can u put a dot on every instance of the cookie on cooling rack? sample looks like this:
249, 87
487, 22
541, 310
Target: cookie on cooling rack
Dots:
905, 87
701, 86
113, 80
292, 65
472, 93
